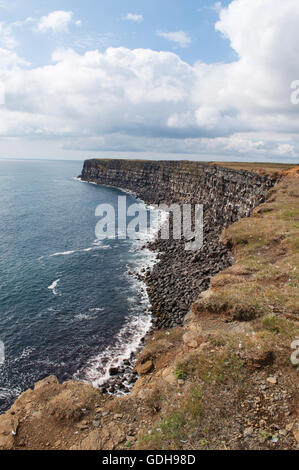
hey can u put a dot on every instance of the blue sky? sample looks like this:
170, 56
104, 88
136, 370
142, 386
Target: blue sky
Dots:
103, 25
205, 80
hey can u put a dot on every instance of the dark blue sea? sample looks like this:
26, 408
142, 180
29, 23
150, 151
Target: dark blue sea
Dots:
67, 304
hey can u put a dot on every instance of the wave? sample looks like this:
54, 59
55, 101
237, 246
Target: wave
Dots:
126, 342
63, 253
129, 338
9, 394
97, 246
157, 219
26, 352
84, 316
53, 286
82, 181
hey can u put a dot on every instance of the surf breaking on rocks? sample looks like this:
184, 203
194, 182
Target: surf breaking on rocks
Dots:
113, 369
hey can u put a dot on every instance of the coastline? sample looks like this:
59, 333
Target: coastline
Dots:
175, 281
200, 384
120, 375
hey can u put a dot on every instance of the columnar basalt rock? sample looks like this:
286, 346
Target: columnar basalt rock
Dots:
227, 195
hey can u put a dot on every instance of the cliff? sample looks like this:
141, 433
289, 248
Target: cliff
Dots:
227, 195
213, 382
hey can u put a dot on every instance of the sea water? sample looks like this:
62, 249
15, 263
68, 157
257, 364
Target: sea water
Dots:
68, 306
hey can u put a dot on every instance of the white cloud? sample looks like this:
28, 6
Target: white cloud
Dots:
217, 7
20, 23
10, 60
144, 100
7, 38
137, 18
180, 38
286, 149
57, 21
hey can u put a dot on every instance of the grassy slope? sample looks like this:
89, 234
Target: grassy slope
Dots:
263, 168
224, 393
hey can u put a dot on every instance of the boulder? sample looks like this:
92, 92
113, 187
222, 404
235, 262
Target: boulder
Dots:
146, 368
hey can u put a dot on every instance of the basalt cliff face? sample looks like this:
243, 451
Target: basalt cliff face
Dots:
226, 195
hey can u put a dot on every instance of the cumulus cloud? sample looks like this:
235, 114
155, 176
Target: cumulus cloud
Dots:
145, 100
180, 38
57, 21
10, 61
137, 18
8, 44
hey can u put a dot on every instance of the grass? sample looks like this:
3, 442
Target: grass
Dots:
290, 214
174, 427
262, 290
180, 371
173, 335
185, 166
274, 169
193, 403
242, 303
268, 244
285, 328
153, 400
167, 434
295, 244
160, 345
224, 366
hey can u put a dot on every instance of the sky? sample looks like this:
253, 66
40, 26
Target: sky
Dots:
167, 79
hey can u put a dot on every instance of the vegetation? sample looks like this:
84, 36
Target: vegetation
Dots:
260, 290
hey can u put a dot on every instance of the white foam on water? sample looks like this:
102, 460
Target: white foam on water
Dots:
63, 253
126, 342
137, 325
83, 316
82, 181
26, 352
128, 339
53, 286
97, 246
8, 393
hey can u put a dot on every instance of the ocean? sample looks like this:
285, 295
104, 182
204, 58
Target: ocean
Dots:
68, 306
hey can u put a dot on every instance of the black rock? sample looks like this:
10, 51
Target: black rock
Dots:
114, 371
